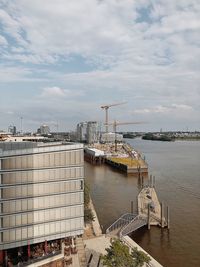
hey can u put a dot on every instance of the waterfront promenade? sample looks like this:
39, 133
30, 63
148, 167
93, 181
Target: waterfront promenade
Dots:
95, 243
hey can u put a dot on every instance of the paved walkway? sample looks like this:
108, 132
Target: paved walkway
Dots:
95, 223
96, 246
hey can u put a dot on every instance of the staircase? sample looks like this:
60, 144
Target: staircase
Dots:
135, 224
119, 224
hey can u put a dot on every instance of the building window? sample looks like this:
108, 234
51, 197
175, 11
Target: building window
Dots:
81, 184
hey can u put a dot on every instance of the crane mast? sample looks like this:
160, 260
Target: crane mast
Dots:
106, 107
115, 124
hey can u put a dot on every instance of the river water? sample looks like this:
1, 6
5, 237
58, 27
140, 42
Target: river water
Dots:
176, 166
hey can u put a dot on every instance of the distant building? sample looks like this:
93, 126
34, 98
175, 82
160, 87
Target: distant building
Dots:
92, 132
12, 129
88, 132
22, 138
41, 196
44, 130
81, 131
111, 137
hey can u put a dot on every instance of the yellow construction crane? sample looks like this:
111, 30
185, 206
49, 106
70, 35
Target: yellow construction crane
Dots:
115, 124
106, 107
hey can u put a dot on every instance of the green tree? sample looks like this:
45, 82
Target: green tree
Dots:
118, 256
86, 194
139, 257
88, 214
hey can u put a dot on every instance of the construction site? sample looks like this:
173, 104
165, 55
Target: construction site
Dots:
111, 149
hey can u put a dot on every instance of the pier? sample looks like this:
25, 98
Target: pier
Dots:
125, 158
128, 165
150, 213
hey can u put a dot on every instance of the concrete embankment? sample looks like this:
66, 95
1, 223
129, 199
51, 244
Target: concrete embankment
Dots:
131, 244
99, 242
95, 223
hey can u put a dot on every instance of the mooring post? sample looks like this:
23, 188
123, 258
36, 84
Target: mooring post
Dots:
168, 225
162, 215
151, 180
131, 206
139, 171
149, 216
154, 181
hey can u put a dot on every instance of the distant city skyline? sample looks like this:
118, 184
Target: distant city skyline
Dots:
60, 61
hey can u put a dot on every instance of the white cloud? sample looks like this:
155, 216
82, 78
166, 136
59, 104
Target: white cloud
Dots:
53, 92
3, 41
11, 74
164, 109
144, 51
182, 107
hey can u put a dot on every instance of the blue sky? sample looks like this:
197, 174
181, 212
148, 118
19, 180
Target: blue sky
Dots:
61, 60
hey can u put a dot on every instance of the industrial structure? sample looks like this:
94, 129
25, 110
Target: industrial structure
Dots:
115, 124
106, 107
111, 137
41, 196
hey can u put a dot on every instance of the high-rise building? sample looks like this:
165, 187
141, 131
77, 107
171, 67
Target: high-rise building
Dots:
92, 132
44, 130
41, 193
81, 131
12, 129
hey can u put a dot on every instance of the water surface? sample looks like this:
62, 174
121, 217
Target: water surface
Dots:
176, 166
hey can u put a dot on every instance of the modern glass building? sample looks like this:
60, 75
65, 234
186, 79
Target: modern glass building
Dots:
41, 192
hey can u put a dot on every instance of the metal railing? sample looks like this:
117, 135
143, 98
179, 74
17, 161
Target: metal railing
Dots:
150, 264
31, 261
135, 224
122, 221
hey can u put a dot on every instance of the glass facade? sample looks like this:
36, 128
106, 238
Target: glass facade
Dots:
41, 193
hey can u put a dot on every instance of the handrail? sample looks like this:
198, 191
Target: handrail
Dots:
124, 219
130, 246
31, 261
127, 226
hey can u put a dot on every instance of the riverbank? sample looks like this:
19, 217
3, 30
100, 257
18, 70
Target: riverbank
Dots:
95, 243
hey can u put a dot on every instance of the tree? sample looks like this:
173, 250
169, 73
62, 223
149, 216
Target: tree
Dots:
88, 214
118, 256
86, 194
139, 257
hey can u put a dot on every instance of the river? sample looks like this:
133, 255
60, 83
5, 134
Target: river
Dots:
176, 166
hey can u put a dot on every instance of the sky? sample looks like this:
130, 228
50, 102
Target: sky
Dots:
60, 61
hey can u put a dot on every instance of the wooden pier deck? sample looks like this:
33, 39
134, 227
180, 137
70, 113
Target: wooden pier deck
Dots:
150, 212
128, 165
148, 202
